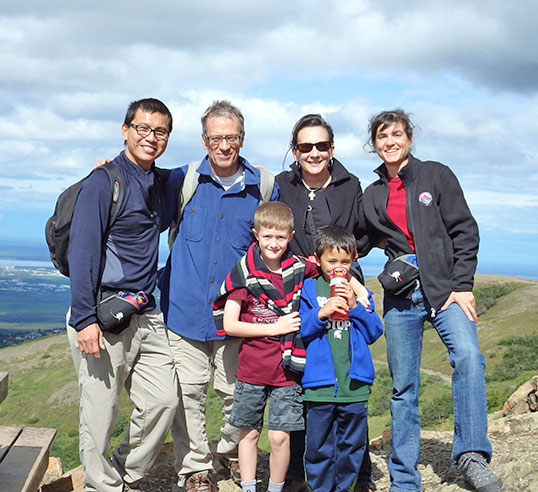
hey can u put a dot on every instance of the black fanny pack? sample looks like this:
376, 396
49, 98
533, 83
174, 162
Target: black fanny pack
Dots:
115, 308
400, 276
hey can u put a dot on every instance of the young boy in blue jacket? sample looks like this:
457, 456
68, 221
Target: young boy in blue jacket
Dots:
339, 369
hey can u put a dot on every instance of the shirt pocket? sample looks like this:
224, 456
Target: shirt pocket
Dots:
193, 223
242, 236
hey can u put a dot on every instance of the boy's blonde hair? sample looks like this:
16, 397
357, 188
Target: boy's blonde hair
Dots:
273, 214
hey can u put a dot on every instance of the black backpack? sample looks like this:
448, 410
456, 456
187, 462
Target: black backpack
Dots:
59, 225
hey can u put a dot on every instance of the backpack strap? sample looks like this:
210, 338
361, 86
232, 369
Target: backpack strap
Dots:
190, 183
118, 192
267, 184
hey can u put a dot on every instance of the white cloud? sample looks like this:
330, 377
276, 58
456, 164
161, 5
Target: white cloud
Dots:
468, 72
500, 199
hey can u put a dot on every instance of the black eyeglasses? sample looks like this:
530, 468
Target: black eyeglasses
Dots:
144, 131
217, 139
305, 148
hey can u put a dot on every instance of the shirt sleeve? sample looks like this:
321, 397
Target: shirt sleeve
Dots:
239, 295
170, 195
462, 229
311, 270
90, 220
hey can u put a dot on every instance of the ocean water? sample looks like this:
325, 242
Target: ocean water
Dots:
371, 267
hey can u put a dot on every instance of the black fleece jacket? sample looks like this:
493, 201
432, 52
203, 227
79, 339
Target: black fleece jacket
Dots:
343, 195
445, 233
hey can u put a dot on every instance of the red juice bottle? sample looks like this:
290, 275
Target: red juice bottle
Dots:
339, 276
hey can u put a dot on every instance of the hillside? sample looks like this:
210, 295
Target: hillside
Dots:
43, 388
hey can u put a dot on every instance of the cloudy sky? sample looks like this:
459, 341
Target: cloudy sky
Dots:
466, 70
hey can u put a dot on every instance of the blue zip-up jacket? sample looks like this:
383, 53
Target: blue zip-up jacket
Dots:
215, 232
365, 329
130, 257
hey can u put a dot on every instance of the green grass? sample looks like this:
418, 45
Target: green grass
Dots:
502, 306
519, 354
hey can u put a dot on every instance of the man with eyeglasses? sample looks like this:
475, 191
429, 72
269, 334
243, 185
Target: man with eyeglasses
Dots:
121, 258
215, 231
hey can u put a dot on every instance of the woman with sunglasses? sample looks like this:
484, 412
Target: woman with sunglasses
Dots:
418, 210
320, 191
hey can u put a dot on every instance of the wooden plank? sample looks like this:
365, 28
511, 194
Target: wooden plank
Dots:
26, 462
8, 435
3, 385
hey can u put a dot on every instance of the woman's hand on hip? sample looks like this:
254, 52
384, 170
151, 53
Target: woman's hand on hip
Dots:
466, 301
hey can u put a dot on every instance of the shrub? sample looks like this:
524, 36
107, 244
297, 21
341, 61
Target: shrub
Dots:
497, 394
379, 400
437, 410
486, 296
67, 449
119, 428
519, 356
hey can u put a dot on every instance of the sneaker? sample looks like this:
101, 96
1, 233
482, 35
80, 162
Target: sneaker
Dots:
199, 482
475, 470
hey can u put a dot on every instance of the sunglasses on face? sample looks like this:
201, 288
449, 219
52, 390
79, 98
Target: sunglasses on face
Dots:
304, 148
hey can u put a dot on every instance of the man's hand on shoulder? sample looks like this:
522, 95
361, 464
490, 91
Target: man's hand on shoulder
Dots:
90, 340
101, 162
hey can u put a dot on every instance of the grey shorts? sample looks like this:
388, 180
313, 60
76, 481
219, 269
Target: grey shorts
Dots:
285, 407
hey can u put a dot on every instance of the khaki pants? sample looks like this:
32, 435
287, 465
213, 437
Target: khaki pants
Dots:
139, 360
194, 361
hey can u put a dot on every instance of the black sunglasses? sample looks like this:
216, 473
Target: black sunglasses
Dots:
304, 148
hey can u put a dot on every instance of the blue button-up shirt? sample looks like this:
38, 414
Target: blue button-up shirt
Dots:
215, 232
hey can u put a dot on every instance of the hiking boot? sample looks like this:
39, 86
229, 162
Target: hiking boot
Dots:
295, 486
127, 487
199, 482
235, 473
476, 472
134, 487
232, 465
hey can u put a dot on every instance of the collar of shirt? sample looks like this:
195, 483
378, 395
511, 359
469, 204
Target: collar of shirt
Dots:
252, 175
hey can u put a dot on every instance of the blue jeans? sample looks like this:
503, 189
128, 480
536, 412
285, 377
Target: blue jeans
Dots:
403, 330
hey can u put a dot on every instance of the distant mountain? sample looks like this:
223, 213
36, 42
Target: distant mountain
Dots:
25, 250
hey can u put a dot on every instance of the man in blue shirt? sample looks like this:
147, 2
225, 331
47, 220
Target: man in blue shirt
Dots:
215, 231
136, 355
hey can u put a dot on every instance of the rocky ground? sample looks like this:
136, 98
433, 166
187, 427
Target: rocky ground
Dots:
515, 457
515, 460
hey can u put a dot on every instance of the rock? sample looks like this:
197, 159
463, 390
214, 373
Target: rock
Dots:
524, 399
72, 481
515, 424
381, 442
54, 471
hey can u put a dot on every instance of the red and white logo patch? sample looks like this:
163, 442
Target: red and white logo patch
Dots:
425, 198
